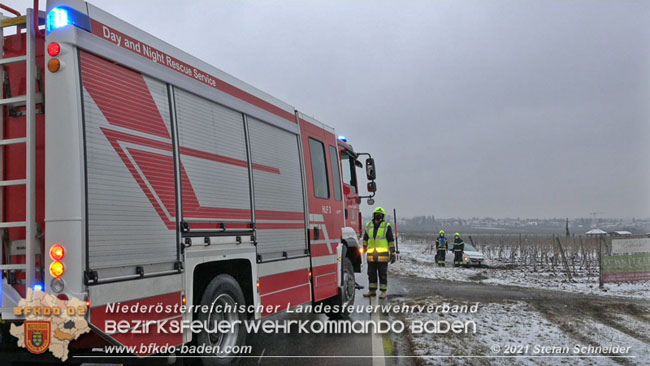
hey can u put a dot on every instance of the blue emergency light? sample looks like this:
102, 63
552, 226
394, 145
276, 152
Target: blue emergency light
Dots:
37, 287
57, 18
343, 138
62, 16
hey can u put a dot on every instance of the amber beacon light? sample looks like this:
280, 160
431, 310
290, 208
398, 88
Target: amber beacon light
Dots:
56, 254
56, 269
54, 65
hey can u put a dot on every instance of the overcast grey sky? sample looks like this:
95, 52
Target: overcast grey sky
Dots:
471, 108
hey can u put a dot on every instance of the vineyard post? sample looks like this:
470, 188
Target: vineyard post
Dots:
583, 263
566, 263
600, 262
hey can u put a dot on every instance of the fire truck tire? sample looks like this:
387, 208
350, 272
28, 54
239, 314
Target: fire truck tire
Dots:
346, 297
222, 290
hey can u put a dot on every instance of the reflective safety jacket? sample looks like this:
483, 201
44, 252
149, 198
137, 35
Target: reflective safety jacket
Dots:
441, 243
459, 245
378, 246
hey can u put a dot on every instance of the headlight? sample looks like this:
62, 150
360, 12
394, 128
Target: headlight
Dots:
466, 259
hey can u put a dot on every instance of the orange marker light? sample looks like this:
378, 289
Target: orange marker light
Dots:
57, 252
184, 300
56, 269
360, 250
53, 49
54, 65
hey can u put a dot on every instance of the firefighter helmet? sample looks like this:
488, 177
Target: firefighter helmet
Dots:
442, 232
380, 210
457, 235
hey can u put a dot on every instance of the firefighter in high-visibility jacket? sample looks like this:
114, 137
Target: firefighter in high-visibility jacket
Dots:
379, 244
441, 246
459, 247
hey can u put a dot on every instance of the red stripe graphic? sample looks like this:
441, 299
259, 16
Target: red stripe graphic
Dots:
285, 289
161, 58
280, 226
139, 113
226, 160
321, 249
276, 215
284, 280
124, 95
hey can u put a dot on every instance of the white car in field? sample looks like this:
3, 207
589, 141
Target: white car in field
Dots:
471, 257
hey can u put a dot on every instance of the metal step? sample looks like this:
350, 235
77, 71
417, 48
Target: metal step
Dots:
12, 267
15, 141
21, 100
13, 60
14, 100
6, 225
15, 182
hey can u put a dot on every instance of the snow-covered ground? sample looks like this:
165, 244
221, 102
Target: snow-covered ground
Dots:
518, 327
414, 262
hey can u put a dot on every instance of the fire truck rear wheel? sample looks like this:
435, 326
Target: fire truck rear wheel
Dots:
346, 297
223, 290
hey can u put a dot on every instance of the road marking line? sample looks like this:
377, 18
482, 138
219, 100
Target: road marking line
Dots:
259, 362
377, 340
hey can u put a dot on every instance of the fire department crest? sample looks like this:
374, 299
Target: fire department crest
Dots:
50, 323
37, 336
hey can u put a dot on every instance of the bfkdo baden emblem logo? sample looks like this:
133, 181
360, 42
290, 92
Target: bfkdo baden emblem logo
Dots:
37, 336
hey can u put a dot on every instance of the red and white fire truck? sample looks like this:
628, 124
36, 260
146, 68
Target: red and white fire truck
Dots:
133, 172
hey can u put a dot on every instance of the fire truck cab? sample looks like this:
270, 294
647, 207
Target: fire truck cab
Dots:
156, 178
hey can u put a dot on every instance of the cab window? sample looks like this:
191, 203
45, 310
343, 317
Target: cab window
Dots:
319, 169
349, 176
336, 173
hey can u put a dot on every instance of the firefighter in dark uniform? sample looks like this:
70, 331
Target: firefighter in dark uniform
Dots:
379, 244
459, 247
441, 246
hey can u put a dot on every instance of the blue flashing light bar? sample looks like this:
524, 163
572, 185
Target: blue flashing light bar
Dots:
62, 16
343, 138
37, 287
57, 18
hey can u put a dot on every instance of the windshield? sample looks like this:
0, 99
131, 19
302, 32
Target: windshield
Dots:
470, 248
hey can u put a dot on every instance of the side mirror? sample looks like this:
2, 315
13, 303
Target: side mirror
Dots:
371, 201
372, 187
371, 174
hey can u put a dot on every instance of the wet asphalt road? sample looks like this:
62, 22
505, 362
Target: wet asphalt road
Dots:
338, 348
267, 347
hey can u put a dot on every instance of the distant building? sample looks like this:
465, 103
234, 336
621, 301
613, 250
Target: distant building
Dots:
596, 232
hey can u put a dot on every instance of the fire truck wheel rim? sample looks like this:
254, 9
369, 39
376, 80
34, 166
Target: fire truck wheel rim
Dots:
349, 287
348, 283
223, 340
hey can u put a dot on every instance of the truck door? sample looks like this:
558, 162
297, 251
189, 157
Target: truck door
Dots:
350, 190
325, 195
